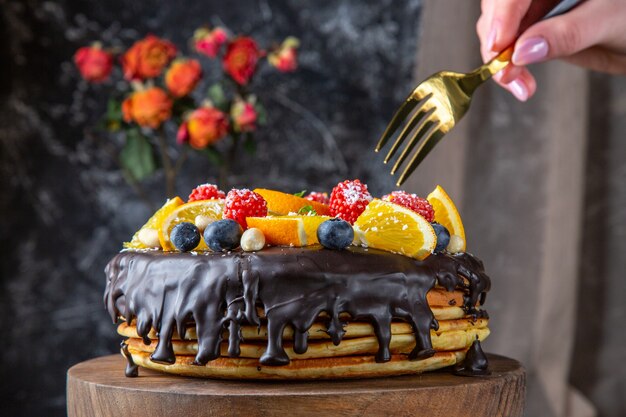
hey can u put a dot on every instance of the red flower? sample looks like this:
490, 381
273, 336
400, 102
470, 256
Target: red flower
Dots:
244, 116
285, 58
147, 58
183, 76
147, 108
241, 59
94, 63
209, 42
203, 127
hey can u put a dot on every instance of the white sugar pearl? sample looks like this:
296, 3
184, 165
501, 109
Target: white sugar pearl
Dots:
149, 237
456, 244
252, 239
201, 221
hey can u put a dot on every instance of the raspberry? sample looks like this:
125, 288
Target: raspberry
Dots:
319, 197
244, 203
206, 192
411, 201
349, 199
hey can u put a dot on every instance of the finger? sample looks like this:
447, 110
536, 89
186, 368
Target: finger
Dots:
509, 73
505, 22
562, 35
523, 87
601, 59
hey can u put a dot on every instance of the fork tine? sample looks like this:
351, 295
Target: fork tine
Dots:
429, 143
405, 109
417, 135
417, 117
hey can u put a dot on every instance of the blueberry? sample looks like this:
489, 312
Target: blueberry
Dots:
443, 237
185, 236
335, 234
223, 235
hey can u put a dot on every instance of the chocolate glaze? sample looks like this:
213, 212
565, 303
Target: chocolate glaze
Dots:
475, 362
131, 368
217, 291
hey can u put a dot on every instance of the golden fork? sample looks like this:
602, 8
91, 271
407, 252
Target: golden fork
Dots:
437, 104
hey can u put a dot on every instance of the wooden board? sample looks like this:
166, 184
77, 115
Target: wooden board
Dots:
98, 387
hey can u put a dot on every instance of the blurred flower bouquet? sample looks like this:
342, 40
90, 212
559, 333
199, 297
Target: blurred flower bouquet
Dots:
157, 90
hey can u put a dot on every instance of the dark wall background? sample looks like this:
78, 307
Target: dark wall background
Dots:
64, 206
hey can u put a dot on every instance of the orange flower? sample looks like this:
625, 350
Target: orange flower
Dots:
209, 42
285, 58
241, 58
183, 76
203, 127
148, 108
147, 58
244, 116
94, 63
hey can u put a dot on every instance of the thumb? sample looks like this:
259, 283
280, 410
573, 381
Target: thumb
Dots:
561, 36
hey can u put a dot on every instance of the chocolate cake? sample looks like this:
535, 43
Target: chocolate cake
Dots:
297, 312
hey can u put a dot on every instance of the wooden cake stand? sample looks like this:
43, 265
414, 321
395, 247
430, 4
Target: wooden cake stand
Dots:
98, 387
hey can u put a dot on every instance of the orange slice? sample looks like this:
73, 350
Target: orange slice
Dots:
446, 213
288, 230
154, 222
279, 203
188, 213
391, 227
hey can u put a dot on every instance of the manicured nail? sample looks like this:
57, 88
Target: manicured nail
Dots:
530, 51
519, 89
493, 35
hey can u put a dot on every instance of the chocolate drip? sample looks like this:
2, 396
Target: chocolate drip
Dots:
218, 291
132, 370
475, 362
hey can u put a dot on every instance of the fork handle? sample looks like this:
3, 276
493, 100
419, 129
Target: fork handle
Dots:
504, 58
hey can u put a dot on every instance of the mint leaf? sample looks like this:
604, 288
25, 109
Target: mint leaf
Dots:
137, 157
307, 210
300, 194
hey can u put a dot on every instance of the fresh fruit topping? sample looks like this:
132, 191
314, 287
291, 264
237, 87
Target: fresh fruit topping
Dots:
206, 192
188, 212
394, 228
185, 236
252, 239
244, 203
293, 230
279, 203
223, 235
149, 238
443, 237
349, 199
412, 201
319, 197
446, 214
335, 234
154, 222
456, 244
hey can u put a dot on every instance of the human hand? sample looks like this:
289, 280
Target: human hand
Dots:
592, 35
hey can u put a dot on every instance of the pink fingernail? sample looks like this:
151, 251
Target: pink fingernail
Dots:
493, 34
519, 89
530, 51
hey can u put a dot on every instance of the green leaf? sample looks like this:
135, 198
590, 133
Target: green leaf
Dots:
261, 114
213, 154
218, 97
300, 194
249, 144
307, 210
137, 157
113, 115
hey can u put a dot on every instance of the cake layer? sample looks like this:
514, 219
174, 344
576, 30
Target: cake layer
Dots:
323, 368
292, 286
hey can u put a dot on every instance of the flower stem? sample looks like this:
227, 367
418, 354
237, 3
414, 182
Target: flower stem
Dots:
168, 167
227, 165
